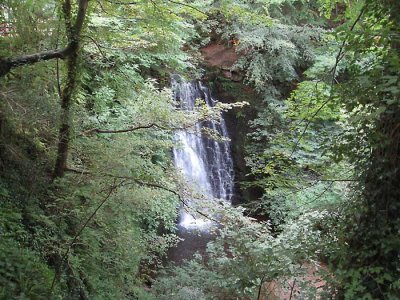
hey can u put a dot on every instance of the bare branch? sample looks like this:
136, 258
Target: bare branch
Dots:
114, 15
340, 180
98, 46
121, 3
132, 128
171, 1
129, 129
321, 194
260, 288
6, 64
181, 199
308, 124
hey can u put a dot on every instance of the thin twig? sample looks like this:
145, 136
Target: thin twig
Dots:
321, 194
181, 199
129, 129
308, 124
292, 288
96, 44
73, 241
149, 184
189, 6
121, 3
315, 182
260, 288
112, 15
171, 1
339, 57
340, 54
340, 180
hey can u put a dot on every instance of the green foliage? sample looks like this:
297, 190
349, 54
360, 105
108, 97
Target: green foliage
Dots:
29, 23
149, 34
23, 232
273, 55
126, 235
246, 254
344, 115
102, 230
370, 96
306, 103
23, 274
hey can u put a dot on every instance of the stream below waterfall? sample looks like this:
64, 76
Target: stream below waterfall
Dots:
206, 165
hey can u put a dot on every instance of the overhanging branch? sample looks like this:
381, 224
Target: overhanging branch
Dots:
129, 129
171, 1
148, 184
132, 128
6, 64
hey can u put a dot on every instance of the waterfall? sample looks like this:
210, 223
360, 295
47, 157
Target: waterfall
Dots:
205, 163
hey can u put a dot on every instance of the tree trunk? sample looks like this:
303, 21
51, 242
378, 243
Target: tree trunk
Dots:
71, 54
65, 126
73, 33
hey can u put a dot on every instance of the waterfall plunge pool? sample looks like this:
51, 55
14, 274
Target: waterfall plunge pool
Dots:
206, 165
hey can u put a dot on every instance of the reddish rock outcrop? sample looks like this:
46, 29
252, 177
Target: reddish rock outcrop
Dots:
223, 57
219, 55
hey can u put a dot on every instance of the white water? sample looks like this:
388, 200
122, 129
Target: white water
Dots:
205, 163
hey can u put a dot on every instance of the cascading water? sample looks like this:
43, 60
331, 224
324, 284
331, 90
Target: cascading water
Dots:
205, 163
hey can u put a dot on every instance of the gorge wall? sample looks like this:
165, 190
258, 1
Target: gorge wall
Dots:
228, 86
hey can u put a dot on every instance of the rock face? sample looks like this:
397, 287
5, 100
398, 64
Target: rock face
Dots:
237, 121
227, 86
219, 55
223, 57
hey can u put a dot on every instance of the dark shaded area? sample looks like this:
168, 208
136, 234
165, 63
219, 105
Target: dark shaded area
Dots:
193, 241
237, 121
